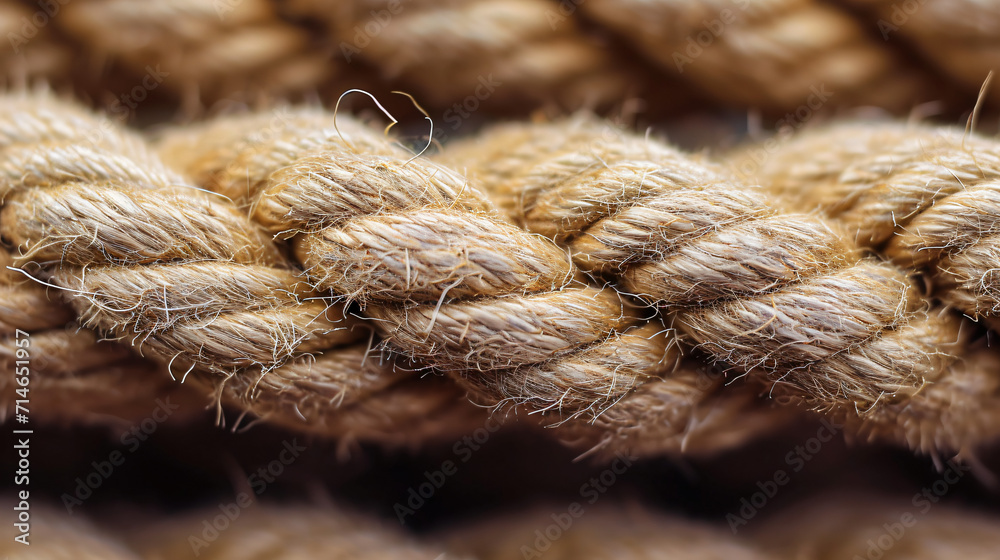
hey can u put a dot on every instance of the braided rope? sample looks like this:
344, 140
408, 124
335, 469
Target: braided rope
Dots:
958, 37
450, 283
785, 297
824, 528
187, 278
924, 198
776, 55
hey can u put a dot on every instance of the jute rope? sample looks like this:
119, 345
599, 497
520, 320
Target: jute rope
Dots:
522, 52
450, 283
958, 37
820, 529
202, 50
922, 197
185, 277
774, 55
785, 297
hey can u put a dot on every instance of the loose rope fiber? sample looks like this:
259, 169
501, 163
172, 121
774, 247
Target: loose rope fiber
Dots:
451, 284
785, 297
924, 197
185, 277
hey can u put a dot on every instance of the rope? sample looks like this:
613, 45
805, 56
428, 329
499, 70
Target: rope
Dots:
958, 38
818, 529
450, 283
922, 197
186, 278
786, 298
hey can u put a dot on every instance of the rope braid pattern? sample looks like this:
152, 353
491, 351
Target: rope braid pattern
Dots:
776, 54
187, 278
958, 37
450, 283
299, 531
446, 279
522, 51
72, 370
206, 49
783, 296
926, 199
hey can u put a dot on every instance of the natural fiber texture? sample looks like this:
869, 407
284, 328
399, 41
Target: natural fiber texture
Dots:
520, 52
452, 284
959, 37
185, 277
786, 297
924, 197
775, 55
205, 50
836, 527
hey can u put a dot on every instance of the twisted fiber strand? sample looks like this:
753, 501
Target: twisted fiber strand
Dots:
924, 197
824, 528
182, 274
529, 49
783, 296
772, 54
958, 37
844, 526
211, 50
447, 280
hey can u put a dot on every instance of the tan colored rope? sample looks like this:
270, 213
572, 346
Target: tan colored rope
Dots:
776, 55
786, 297
521, 52
959, 37
822, 528
185, 277
210, 50
916, 527
454, 285
924, 197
